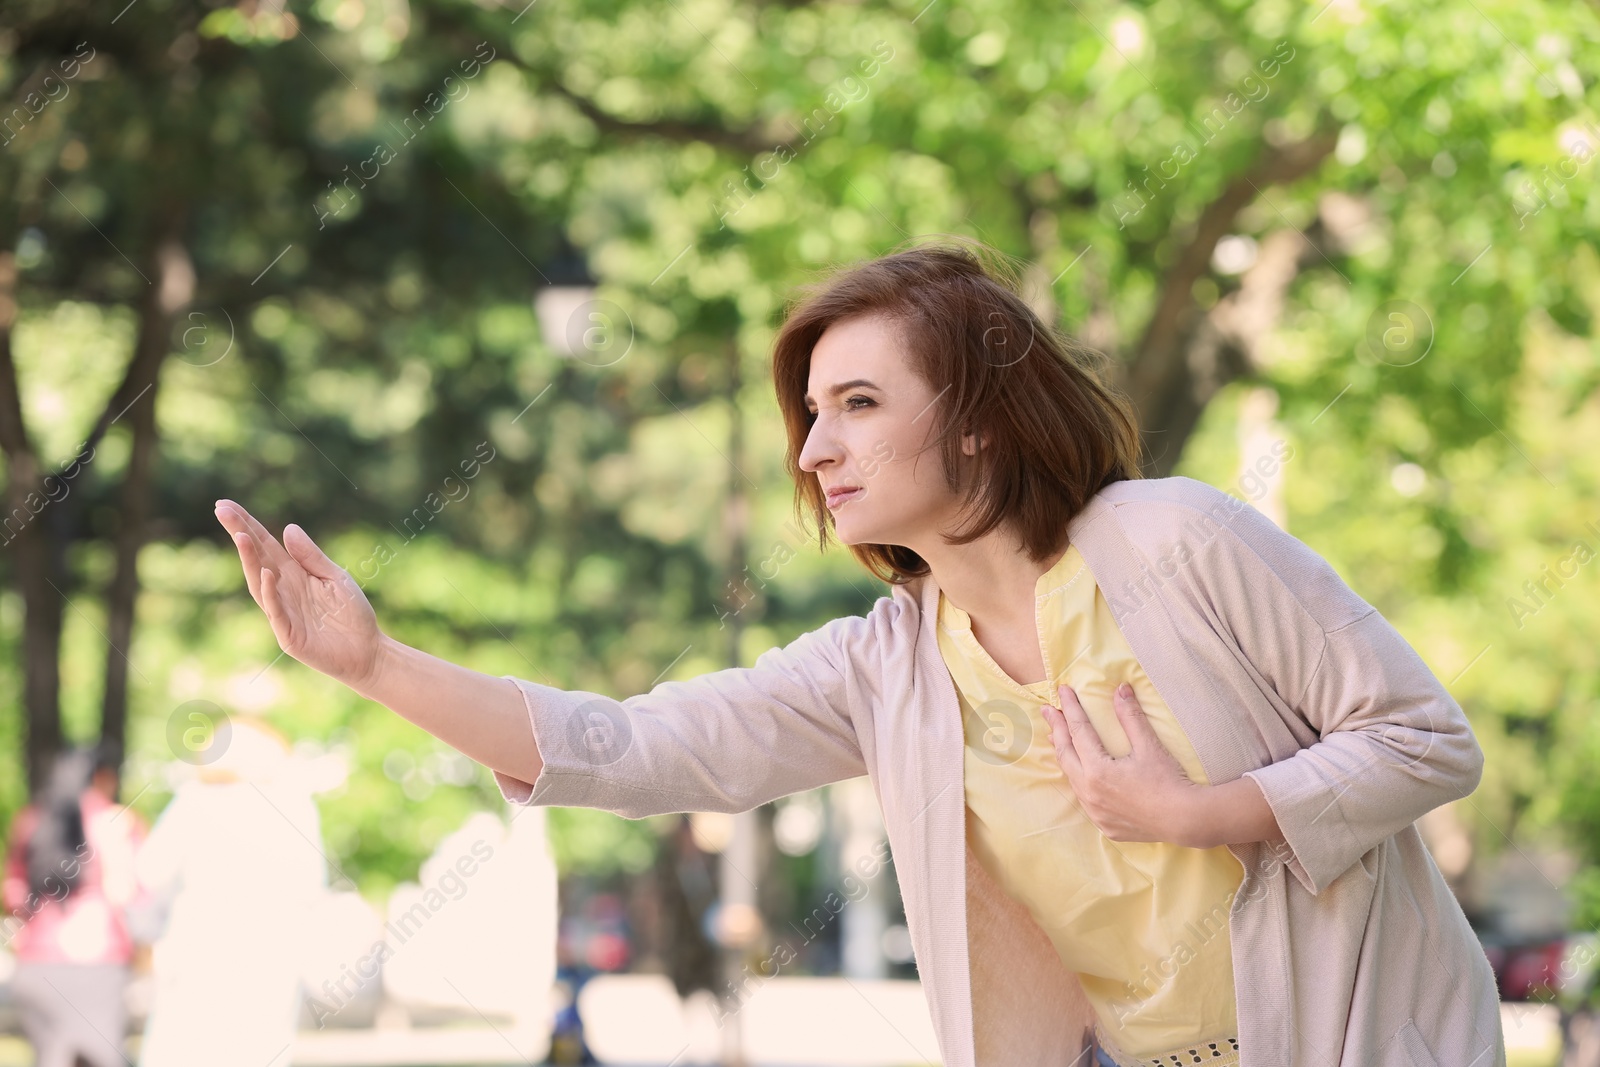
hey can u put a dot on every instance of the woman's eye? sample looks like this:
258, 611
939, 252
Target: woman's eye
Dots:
865, 400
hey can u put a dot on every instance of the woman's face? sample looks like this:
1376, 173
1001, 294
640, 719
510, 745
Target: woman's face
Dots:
873, 415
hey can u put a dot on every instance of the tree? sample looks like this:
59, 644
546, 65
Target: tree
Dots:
1363, 209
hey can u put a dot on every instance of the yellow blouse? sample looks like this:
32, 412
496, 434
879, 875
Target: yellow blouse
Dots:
1144, 925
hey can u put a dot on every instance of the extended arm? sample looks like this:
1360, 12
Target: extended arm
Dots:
725, 741
320, 616
480, 715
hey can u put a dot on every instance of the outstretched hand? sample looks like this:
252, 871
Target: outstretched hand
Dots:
318, 613
1143, 796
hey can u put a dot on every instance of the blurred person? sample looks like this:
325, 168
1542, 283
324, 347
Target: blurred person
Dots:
1225, 869
69, 874
239, 849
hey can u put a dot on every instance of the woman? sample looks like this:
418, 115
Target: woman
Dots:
1218, 864
69, 874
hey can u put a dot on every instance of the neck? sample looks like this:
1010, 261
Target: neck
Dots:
992, 579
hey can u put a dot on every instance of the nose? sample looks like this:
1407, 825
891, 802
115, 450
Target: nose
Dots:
820, 447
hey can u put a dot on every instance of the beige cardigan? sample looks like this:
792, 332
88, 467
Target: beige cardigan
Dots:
1349, 951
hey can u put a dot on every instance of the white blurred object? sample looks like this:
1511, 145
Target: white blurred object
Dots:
241, 848
555, 306
1532, 1031
253, 689
638, 1018
633, 1018
1263, 442
1408, 479
711, 830
797, 827
342, 967
477, 936
1234, 254
865, 915
870, 1022
897, 944
1352, 145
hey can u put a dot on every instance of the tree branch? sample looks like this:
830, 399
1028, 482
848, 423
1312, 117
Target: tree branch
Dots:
1158, 375
748, 140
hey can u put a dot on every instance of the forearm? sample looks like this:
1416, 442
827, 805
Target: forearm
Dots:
480, 715
1233, 813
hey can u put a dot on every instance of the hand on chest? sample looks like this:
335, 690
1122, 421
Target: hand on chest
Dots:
1064, 744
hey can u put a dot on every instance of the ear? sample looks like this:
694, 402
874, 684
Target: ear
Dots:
970, 445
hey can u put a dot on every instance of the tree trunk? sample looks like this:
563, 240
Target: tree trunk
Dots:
173, 292
41, 511
31, 529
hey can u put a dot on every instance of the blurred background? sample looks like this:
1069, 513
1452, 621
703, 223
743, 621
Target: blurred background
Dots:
482, 295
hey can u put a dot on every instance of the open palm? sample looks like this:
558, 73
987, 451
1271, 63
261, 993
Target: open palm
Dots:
318, 613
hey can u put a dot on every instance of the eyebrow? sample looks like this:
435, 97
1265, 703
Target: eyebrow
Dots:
835, 390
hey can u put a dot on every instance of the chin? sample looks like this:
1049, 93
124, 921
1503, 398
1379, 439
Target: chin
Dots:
853, 531
846, 532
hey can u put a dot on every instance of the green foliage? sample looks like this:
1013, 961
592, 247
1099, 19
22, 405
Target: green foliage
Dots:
706, 157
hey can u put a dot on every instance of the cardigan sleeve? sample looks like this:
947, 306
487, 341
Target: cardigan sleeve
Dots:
725, 741
1387, 742
1393, 745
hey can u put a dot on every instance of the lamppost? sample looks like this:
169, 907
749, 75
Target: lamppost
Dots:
576, 323
739, 915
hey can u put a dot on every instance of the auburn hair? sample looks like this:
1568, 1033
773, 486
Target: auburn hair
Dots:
1057, 430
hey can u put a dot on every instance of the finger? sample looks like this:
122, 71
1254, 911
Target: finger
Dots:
226, 517
232, 517
1061, 741
236, 527
272, 604
239, 534
1085, 741
271, 552
1135, 723
307, 554
250, 560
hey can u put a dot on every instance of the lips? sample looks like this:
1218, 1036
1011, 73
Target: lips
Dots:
840, 494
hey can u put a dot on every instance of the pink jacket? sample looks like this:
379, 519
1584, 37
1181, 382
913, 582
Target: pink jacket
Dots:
1348, 951
89, 927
